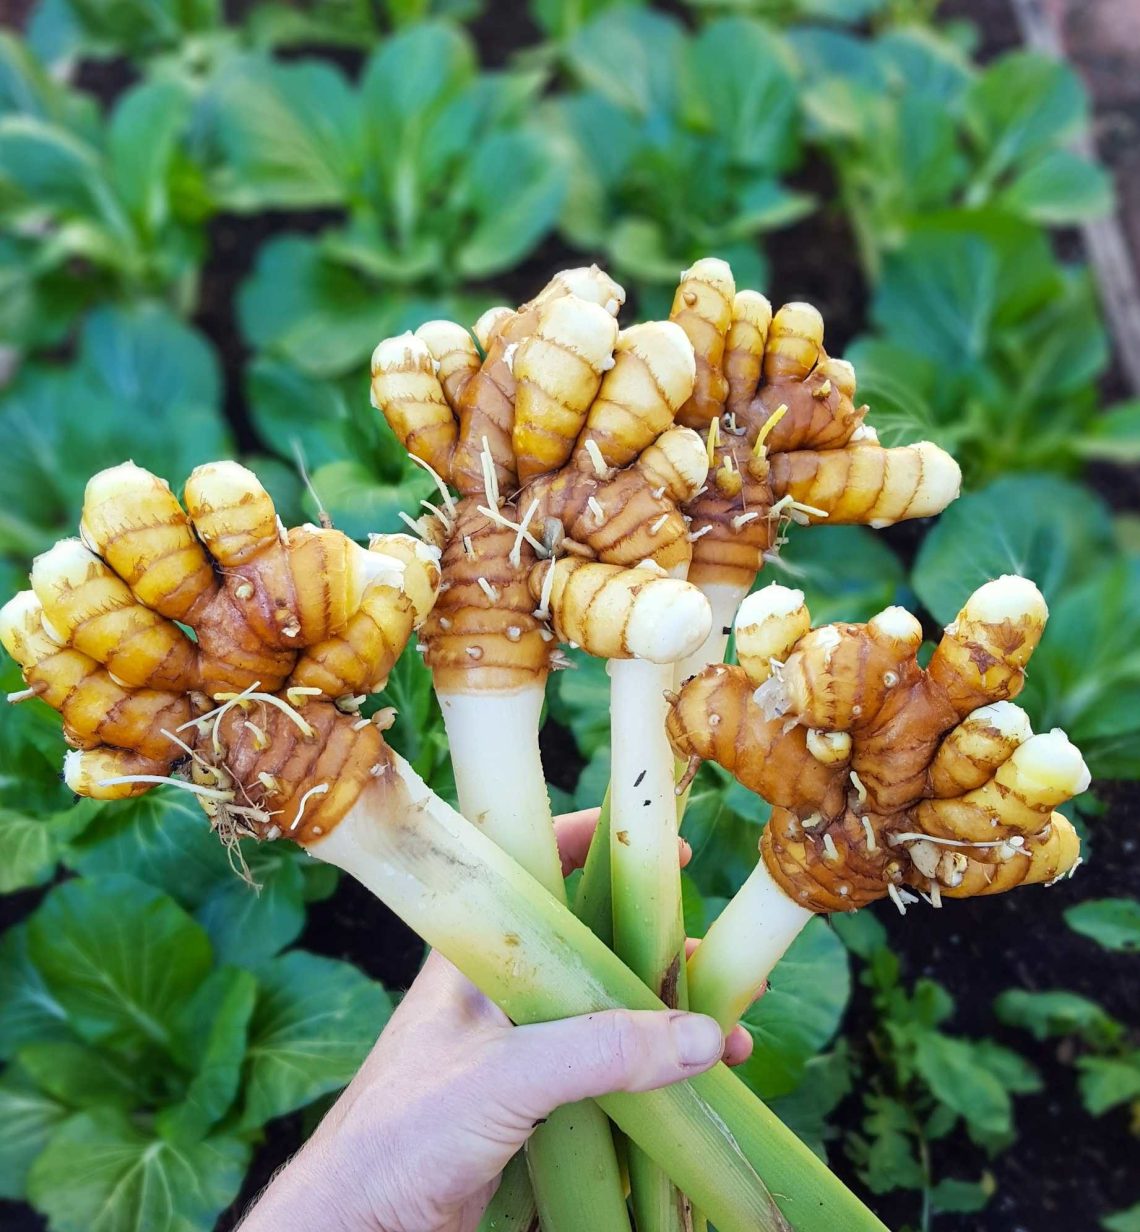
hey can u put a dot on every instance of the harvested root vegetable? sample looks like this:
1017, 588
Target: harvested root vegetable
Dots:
297, 761
882, 775
590, 550
786, 442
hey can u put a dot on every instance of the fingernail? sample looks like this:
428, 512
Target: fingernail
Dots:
698, 1039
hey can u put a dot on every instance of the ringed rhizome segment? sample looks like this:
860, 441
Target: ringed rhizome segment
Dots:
883, 774
211, 640
785, 438
570, 471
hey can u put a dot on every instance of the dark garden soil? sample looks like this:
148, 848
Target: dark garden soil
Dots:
1066, 1169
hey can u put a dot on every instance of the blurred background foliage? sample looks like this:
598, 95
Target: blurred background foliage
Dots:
209, 221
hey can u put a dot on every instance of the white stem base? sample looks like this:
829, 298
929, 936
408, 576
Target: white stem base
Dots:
498, 774
648, 929
746, 941
724, 598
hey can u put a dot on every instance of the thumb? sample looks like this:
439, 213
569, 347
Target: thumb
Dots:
554, 1063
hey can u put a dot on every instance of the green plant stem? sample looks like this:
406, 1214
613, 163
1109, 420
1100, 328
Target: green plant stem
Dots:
513, 1207
493, 739
529, 954
593, 901
649, 931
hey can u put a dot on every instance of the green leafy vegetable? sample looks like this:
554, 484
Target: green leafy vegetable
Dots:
1111, 922
677, 145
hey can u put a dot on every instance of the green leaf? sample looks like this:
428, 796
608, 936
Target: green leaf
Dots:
120, 957
722, 822
1107, 1082
1113, 436
145, 386
321, 316
212, 1034
291, 410
1036, 525
250, 923
1111, 922
142, 141
1123, 1221
27, 1120
1022, 104
963, 1197
162, 838
58, 172
1048, 1014
99, 1163
28, 1010
741, 74
82, 1077
1012, 1071
827, 1078
579, 698
290, 134
633, 57
503, 228
845, 572
359, 505
1085, 676
861, 933
800, 1012
1059, 190
28, 851
950, 1068
314, 1022
957, 281
886, 1157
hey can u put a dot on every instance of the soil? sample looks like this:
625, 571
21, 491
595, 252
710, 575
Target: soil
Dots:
1066, 1170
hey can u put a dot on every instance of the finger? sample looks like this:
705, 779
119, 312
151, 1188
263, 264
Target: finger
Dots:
652, 375
235, 518
867, 486
541, 1067
96, 709
973, 750
676, 462
88, 606
134, 521
558, 371
982, 655
99, 773
839, 676
1038, 776
618, 613
574, 832
768, 625
817, 412
408, 391
486, 407
370, 606
703, 308
794, 344
744, 348
738, 1046
1049, 856
455, 353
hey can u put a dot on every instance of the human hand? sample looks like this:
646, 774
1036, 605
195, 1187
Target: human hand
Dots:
452, 1089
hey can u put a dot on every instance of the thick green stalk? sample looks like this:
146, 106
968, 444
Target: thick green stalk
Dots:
529, 954
593, 900
493, 738
513, 1208
649, 931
